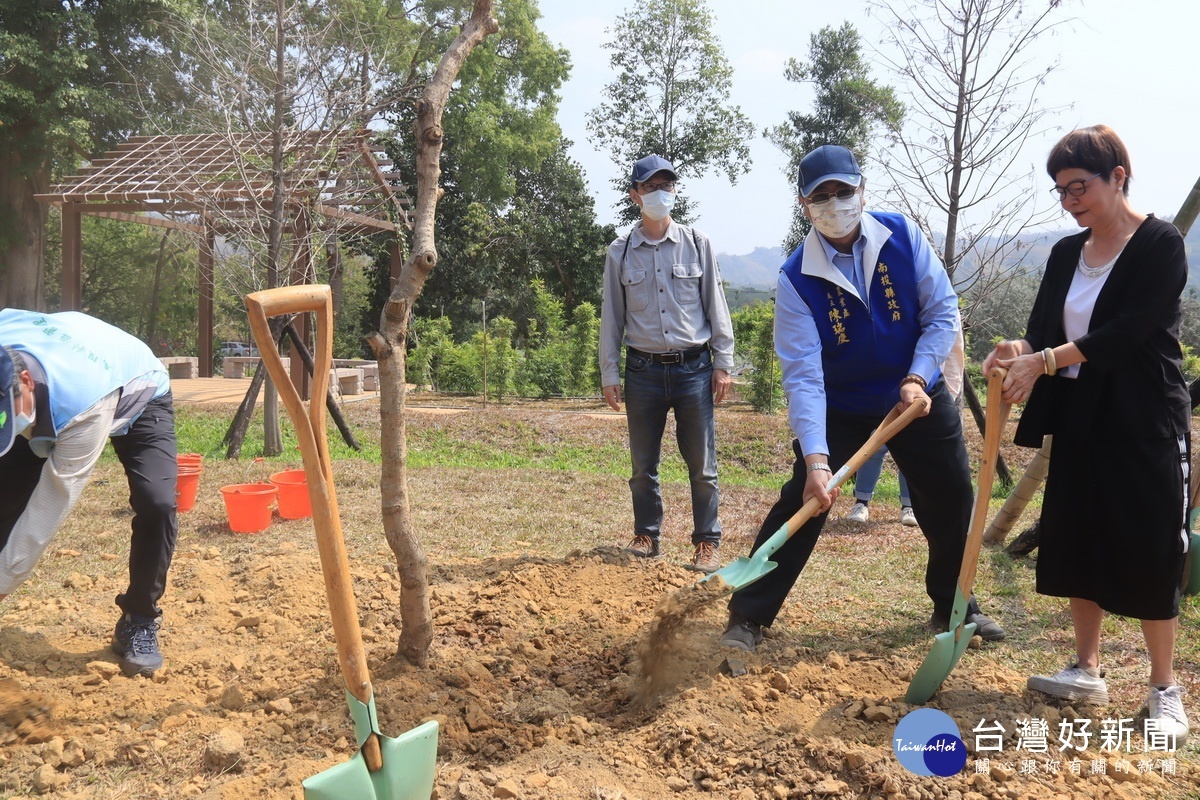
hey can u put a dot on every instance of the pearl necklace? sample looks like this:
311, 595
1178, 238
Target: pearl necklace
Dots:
1096, 272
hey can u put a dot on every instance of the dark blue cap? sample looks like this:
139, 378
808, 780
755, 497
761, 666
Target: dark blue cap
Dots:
7, 401
829, 162
649, 165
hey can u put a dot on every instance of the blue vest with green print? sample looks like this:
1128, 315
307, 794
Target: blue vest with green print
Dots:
866, 355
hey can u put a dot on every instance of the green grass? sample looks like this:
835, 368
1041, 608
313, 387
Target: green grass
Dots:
491, 439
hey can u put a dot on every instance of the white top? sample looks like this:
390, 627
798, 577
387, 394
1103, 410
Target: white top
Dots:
1081, 300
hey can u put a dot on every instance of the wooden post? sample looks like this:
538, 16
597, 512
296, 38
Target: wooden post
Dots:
72, 259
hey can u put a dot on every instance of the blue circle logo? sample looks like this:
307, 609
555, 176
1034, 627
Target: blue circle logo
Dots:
927, 743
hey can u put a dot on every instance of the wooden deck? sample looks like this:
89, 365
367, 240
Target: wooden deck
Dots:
199, 391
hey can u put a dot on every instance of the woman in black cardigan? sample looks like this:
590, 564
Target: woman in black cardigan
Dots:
1101, 368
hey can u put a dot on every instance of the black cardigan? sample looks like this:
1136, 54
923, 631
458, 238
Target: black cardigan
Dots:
1132, 381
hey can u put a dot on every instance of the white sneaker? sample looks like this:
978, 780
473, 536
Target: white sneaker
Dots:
1164, 709
859, 514
1073, 683
907, 518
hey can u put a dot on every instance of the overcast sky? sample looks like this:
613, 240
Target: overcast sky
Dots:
1130, 65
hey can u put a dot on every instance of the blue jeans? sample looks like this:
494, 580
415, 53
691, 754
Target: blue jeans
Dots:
651, 389
868, 475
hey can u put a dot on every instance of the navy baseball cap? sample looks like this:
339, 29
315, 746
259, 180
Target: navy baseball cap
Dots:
7, 401
829, 162
649, 165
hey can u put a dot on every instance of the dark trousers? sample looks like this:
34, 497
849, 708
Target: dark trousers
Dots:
20, 470
931, 454
148, 454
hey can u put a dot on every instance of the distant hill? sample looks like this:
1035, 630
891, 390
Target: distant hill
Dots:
757, 270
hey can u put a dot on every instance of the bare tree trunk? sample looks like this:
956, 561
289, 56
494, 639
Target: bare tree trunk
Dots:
22, 260
1189, 209
416, 634
272, 436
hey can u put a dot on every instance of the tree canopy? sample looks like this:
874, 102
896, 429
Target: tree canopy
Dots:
71, 74
671, 96
849, 106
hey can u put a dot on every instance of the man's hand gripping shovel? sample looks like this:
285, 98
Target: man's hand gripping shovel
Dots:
384, 768
745, 571
948, 647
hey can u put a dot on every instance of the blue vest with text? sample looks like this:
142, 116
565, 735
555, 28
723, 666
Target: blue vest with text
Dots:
864, 354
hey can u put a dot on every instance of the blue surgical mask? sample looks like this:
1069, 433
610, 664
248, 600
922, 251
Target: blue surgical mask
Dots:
658, 205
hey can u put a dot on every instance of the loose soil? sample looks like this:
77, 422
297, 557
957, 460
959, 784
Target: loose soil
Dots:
582, 673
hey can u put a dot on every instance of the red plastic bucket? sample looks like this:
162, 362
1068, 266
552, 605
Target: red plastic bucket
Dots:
248, 506
293, 497
186, 487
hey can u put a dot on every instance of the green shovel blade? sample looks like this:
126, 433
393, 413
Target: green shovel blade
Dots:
741, 573
947, 650
744, 571
409, 769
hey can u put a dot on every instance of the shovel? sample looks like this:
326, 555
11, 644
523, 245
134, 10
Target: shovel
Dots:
948, 647
745, 571
383, 768
1190, 584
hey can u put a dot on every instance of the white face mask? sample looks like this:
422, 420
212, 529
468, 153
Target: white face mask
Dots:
23, 422
658, 205
836, 218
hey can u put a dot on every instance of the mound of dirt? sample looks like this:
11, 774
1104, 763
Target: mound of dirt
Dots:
534, 679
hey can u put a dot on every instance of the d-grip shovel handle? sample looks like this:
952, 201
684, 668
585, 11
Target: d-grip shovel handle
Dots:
314, 448
893, 423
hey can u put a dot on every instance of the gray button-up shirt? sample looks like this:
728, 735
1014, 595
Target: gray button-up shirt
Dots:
663, 297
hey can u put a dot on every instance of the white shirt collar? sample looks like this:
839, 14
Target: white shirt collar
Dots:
818, 254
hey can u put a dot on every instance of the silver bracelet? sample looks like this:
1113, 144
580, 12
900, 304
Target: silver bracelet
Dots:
821, 467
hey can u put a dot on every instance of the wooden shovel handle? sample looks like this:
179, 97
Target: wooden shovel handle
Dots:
893, 423
993, 427
314, 448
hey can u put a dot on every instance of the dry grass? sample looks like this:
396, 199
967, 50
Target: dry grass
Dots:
492, 486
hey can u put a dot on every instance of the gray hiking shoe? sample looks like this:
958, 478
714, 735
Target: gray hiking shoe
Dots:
135, 640
705, 560
643, 546
742, 634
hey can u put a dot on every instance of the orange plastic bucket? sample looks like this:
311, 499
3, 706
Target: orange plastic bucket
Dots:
293, 497
186, 487
248, 506
190, 460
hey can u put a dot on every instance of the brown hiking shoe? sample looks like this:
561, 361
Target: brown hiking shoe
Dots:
705, 559
643, 546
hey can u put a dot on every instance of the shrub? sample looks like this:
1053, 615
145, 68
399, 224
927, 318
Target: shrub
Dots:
754, 333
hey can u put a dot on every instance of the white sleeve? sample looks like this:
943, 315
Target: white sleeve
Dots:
65, 473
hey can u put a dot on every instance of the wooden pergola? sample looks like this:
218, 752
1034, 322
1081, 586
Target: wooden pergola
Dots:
215, 184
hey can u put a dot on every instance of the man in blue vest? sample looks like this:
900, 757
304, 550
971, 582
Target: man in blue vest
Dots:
70, 383
864, 316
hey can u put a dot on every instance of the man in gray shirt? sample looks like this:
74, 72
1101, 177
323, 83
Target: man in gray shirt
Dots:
664, 301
